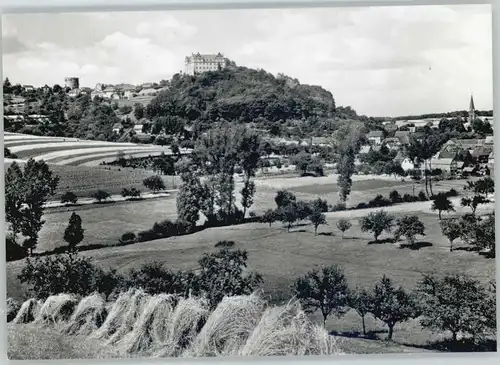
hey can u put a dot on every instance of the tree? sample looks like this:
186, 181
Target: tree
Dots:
225, 273
325, 289
409, 226
453, 303
190, 197
101, 195
69, 197
473, 202
343, 225
377, 222
348, 140
451, 228
442, 203
139, 111
481, 189
269, 216
479, 232
361, 301
320, 205
132, 193
247, 193
26, 193
284, 198
73, 234
317, 218
154, 183
391, 305
288, 215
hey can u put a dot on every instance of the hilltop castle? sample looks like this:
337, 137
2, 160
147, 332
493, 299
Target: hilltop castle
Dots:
198, 63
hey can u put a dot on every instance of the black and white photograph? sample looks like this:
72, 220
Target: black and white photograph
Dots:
249, 182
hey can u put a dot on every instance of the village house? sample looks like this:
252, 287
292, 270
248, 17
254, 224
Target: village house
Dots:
138, 128
392, 143
403, 136
108, 92
446, 161
28, 87
481, 154
375, 137
319, 141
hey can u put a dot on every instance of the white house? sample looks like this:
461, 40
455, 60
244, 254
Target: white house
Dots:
117, 127
375, 137
138, 128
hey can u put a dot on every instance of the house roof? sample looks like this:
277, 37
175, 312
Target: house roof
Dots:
375, 134
399, 157
117, 126
109, 89
481, 151
391, 140
319, 140
489, 140
447, 154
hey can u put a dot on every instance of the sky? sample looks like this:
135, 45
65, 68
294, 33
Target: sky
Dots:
381, 61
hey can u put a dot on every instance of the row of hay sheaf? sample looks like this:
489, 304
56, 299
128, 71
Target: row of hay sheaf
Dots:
165, 325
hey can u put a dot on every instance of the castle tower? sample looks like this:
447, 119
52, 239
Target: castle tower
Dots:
472, 111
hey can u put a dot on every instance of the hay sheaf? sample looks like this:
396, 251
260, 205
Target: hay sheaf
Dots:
186, 321
151, 328
228, 326
89, 315
28, 312
286, 330
13, 307
57, 308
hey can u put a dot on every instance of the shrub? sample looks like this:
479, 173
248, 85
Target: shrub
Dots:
422, 197
362, 206
147, 235
101, 196
154, 183
69, 197
14, 251
133, 193
408, 198
379, 201
128, 238
395, 197
165, 228
270, 216
339, 207
224, 244
325, 289
284, 198
452, 193
252, 214
62, 273
153, 278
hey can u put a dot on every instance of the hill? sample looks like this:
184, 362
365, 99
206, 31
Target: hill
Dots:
245, 95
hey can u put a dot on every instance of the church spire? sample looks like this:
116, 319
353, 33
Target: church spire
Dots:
472, 110
471, 107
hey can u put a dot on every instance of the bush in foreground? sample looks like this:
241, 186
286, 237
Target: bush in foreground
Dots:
69, 198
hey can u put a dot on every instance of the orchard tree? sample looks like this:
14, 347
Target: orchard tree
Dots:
73, 234
317, 218
361, 301
133, 193
343, 225
225, 273
377, 223
269, 216
453, 303
391, 305
481, 189
409, 226
154, 183
452, 229
284, 198
325, 289
69, 198
441, 203
288, 215
319, 204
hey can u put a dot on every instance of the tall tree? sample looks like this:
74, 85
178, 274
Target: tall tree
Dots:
410, 226
441, 203
189, 198
377, 222
73, 234
452, 229
361, 301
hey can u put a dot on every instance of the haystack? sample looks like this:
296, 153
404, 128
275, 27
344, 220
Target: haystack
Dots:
13, 307
122, 316
286, 330
89, 315
57, 308
29, 311
184, 324
228, 326
151, 328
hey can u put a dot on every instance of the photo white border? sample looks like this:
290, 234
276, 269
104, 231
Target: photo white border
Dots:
32, 6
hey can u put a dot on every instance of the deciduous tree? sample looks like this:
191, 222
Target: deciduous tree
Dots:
409, 226
377, 223
441, 203
73, 234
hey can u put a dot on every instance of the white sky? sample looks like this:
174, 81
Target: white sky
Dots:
382, 61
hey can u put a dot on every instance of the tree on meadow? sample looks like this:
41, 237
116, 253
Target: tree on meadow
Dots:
139, 111
361, 301
343, 225
284, 198
442, 203
391, 305
481, 189
377, 222
317, 218
154, 183
409, 226
452, 229
269, 217
325, 289
69, 198
73, 234
189, 198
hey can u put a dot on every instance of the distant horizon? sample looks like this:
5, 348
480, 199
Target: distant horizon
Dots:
390, 61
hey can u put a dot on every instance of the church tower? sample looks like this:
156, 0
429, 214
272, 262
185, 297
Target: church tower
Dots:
472, 111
